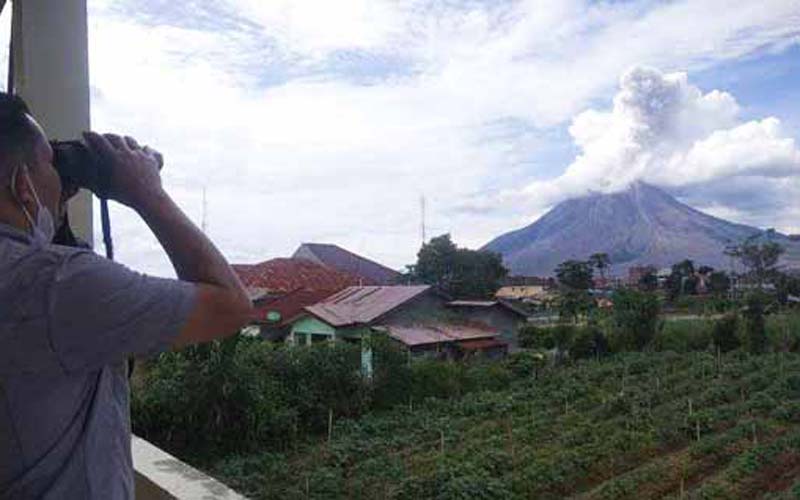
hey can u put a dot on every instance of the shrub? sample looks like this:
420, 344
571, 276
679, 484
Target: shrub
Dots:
725, 333
635, 318
533, 337
588, 342
755, 332
563, 335
526, 363
241, 393
684, 336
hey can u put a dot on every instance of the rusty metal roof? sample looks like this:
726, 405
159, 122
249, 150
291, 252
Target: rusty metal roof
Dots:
417, 335
439, 333
488, 304
363, 304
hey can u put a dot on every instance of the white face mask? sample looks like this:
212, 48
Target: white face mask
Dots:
43, 228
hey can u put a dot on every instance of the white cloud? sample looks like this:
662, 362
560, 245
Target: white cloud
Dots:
663, 130
318, 154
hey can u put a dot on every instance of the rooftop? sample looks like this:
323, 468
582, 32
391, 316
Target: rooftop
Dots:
417, 335
363, 304
287, 275
336, 257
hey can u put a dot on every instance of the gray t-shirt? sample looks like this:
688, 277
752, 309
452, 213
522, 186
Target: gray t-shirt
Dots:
68, 321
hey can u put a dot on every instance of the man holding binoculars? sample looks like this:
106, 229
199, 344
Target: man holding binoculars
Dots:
69, 319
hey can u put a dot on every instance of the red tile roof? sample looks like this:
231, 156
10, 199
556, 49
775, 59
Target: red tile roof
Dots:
287, 275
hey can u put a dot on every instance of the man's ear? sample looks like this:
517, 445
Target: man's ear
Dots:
20, 185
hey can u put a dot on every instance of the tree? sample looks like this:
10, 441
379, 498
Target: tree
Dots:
719, 283
601, 262
786, 285
759, 259
436, 262
724, 334
682, 280
636, 318
575, 279
755, 329
575, 275
460, 272
649, 281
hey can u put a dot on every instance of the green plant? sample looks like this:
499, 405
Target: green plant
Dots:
725, 333
635, 318
755, 332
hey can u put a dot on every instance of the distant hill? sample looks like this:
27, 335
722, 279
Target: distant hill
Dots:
642, 225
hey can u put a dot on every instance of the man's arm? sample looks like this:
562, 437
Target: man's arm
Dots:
222, 305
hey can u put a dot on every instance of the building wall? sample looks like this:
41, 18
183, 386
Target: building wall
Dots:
426, 308
497, 318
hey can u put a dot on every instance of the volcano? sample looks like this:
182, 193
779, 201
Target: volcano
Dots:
642, 225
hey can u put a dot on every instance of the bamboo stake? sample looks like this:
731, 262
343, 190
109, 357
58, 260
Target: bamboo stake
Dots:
330, 425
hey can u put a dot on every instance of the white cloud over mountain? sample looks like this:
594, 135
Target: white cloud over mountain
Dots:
663, 130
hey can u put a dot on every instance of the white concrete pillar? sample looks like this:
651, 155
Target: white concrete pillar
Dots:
51, 72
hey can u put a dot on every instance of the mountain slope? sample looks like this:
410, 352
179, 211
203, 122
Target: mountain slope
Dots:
640, 226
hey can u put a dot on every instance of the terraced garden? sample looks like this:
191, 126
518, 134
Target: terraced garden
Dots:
658, 425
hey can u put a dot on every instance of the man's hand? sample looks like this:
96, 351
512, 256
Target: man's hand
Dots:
134, 176
222, 305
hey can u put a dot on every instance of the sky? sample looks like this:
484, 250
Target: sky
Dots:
328, 121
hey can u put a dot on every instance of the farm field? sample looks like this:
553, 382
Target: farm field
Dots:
639, 425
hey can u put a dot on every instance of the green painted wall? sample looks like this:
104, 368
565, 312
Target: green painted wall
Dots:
310, 324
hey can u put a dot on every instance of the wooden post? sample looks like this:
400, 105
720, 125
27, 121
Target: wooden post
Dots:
441, 442
330, 425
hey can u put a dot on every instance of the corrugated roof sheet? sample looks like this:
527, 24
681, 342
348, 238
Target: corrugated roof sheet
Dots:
363, 304
473, 303
488, 304
439, 333
474, 330
417, 335
338, 258
286, 275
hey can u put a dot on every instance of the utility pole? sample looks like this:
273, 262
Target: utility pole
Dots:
422, 218
204, 224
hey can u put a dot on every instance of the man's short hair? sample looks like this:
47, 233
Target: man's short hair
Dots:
16, 134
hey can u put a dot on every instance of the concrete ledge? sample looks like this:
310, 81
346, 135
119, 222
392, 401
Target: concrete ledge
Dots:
160, 476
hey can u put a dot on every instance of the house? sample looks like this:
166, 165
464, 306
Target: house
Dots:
529, 281
415, 316
524, 293
636, 273
274, 315
335, 257
281, 288
499, 315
